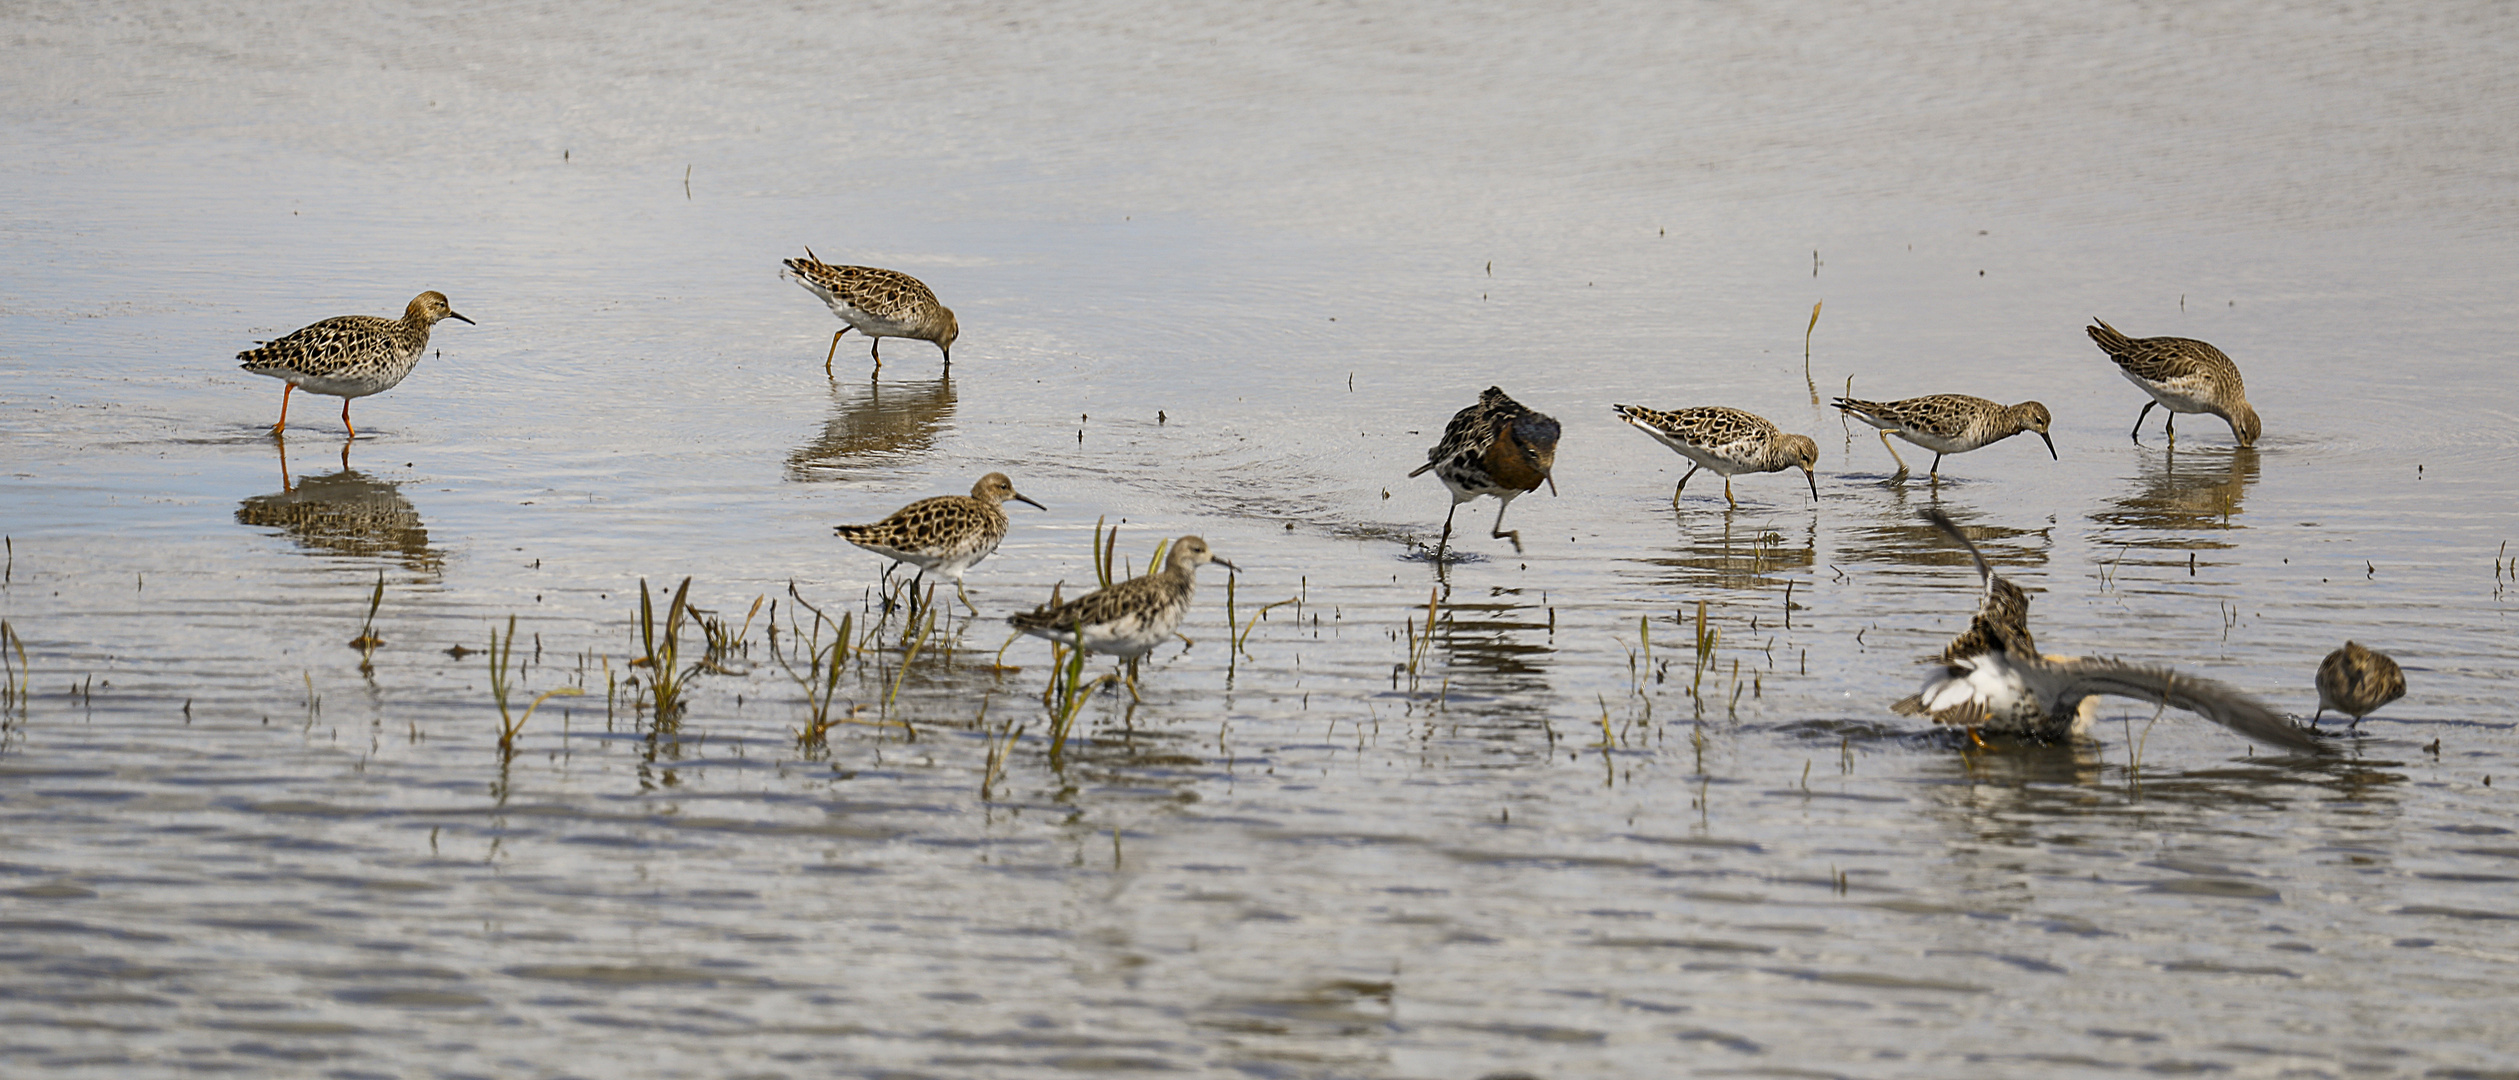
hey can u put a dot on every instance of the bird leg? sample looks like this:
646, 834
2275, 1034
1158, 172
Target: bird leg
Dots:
1936, 471
1683, 485
835, 350
2138, 421
2171, 426
1498, 533
345, 418
966, 597
1901, 474
1727, 493
1132, 681
878, 352
1447, 532
283, 425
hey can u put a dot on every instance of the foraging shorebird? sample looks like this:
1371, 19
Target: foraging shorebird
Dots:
947, 534
1948, 424
1496, 447
349, 356
1129, 619
878, 303
1728, 441
2356, 681
2183, 374
1993, 678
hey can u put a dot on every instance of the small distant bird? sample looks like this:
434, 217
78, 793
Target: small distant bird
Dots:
2356, 681
1993, 677
1948, 424
2186, 375
349, 356
1129, 619
1728, 441
1495, 447
878, 303
947, 534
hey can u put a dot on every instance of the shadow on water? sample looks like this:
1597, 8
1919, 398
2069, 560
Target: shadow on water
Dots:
872, 429
1729, 559
2196, 491
345, 513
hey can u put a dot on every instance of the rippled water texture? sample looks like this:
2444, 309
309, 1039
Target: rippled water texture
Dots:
1227, 269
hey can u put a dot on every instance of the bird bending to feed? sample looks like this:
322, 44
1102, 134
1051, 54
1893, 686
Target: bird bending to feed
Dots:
2186, 375
1728, 441
1129, 619
350, 356
2356, 681
1993, 678
878, 303
1495, 447
947, 534
1948, 424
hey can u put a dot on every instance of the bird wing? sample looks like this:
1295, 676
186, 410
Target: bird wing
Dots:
1472, 431
2078, 678
1094, 608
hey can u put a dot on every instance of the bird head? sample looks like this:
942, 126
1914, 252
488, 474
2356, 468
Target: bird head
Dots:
995, 488
2035, 417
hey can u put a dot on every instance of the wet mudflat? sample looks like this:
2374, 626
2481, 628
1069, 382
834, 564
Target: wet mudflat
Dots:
1228, 273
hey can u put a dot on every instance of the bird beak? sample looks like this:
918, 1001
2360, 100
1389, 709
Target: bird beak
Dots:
451, 314
1813, 477
1018, 497
2050, 446
1223, 563
1552, 487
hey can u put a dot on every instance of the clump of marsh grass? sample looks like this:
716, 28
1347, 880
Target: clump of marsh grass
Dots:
822, 664
367, 642
14, 672
660, 651
510, 726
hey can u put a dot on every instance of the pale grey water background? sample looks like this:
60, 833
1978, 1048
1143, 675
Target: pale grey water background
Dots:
1276, 866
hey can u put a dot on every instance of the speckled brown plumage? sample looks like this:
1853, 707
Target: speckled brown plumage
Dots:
1948, 423
1728, 441
2183, 374
878, 303
349, 356
947, 534
1496, 448
1132, 617
2356, 680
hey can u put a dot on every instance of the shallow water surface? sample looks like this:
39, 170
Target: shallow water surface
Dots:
1633, 805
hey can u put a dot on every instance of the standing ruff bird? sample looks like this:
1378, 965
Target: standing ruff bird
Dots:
1129, 619
1728, 441
1993, 678
947, 534
878, 303
1495, 447
1948, 424
350, 356
2186, 375
2356, 681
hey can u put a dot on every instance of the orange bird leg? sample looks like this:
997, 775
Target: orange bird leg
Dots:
345, 418
835, 350
283, 425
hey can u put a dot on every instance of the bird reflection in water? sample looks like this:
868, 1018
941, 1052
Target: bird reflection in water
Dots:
1901, 537
1492, 653
2182, 493
344, 513
1735, 560
873, 430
